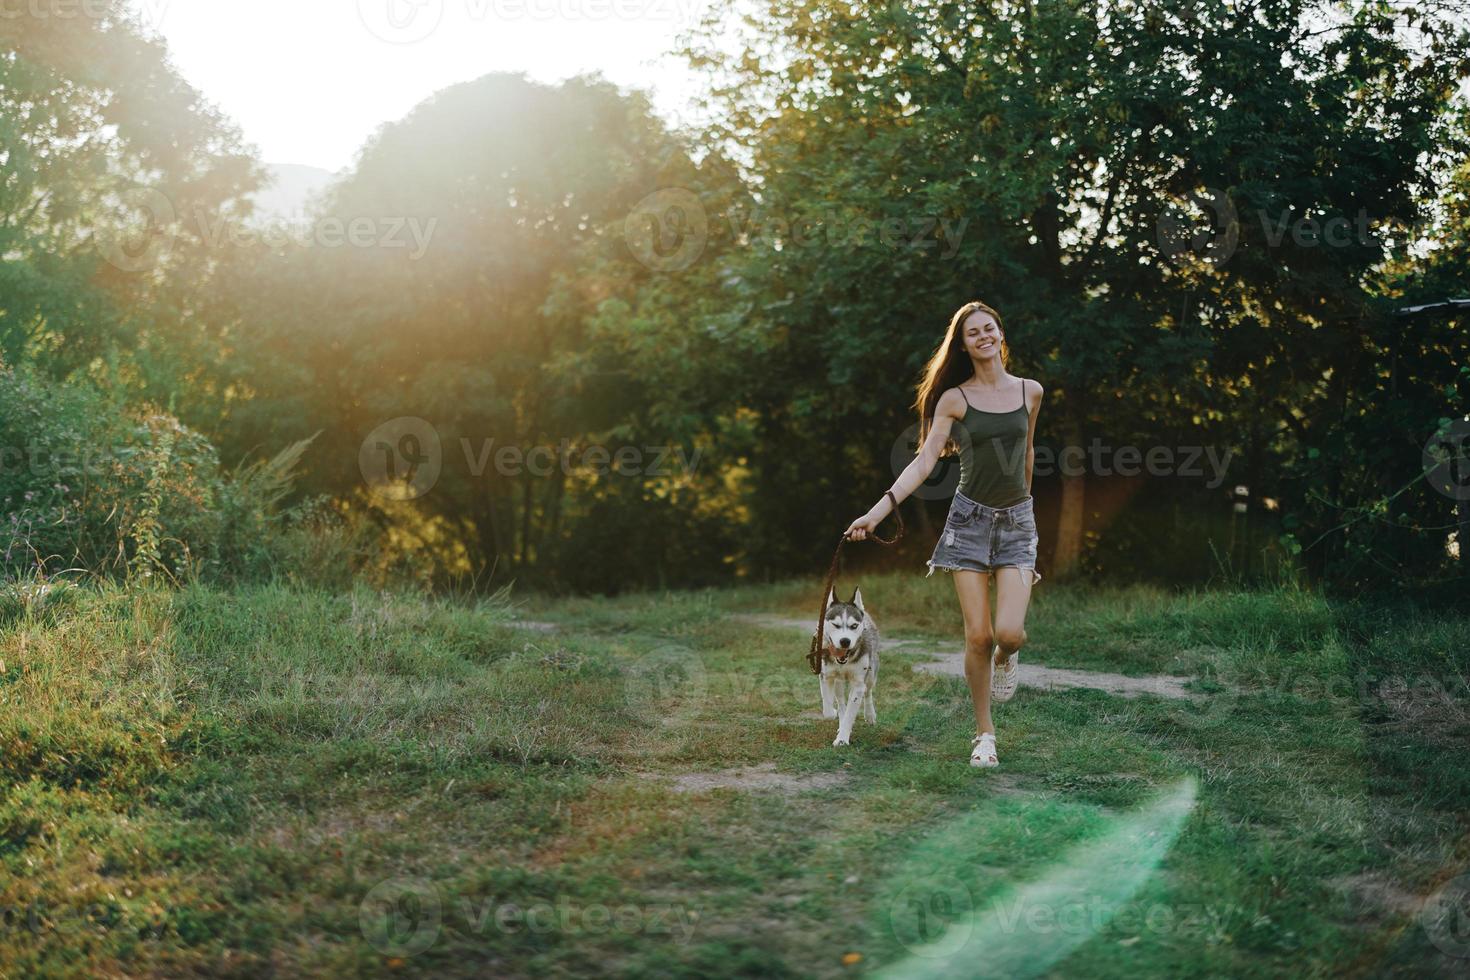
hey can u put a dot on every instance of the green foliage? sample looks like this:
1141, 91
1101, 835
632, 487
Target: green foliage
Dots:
87, 485
673, 541
41, 599
526, 322
114, 170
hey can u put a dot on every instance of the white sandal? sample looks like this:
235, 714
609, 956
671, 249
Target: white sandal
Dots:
1003, 681
983, 756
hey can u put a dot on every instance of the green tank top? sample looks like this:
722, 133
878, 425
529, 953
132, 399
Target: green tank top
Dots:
993, 458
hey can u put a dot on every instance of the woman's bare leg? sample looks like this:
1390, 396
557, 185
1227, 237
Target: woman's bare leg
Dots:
1012, 597
973, 590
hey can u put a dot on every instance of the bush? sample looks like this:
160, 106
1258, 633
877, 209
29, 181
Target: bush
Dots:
629, 540
322, 543
35, 597
87, 483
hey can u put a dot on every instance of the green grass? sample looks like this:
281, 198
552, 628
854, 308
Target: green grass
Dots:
203, 782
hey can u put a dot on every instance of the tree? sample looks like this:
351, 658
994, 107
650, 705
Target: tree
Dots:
1063, 142
114, 169
523, 320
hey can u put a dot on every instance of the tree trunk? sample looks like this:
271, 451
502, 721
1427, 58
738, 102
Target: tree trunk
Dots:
1461, 480
925, 522
527, 501
1068, 551
549, 527
487, 532
1255, 452
1462, 536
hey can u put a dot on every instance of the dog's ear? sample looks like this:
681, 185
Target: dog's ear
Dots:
857, 599
832, 596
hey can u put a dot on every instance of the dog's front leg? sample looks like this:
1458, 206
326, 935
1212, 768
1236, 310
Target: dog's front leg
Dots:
856, 688
869, 711
829, 697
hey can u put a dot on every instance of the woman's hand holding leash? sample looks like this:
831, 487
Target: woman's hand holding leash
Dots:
862, 527
867, 525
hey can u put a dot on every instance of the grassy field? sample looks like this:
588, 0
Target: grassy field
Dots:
271, 781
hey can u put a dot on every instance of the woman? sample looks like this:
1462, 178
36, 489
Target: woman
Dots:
991, 529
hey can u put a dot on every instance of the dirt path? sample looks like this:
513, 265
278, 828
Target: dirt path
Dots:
1032, 675
763, 776
534, 624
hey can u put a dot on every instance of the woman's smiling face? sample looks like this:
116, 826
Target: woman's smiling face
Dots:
982, 336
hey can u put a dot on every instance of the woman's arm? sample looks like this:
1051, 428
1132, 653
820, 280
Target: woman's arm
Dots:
949, 408
1031, 435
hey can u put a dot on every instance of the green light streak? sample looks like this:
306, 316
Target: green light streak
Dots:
953, 928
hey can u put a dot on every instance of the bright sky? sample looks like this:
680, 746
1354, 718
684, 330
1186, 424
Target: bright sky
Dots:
309, 80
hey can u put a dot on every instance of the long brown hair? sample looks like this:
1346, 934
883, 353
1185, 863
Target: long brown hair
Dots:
950, 366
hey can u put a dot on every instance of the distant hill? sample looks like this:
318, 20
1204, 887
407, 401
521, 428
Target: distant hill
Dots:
289, 192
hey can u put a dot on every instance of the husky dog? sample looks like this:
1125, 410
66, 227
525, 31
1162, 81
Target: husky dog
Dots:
849, 663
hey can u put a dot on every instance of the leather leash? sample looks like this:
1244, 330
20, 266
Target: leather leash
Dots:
814, 656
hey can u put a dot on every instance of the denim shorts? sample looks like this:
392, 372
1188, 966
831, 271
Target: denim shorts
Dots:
978, 538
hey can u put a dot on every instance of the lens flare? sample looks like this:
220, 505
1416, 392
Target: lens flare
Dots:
956, 929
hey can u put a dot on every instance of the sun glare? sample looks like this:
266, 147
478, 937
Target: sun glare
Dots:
309, 82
